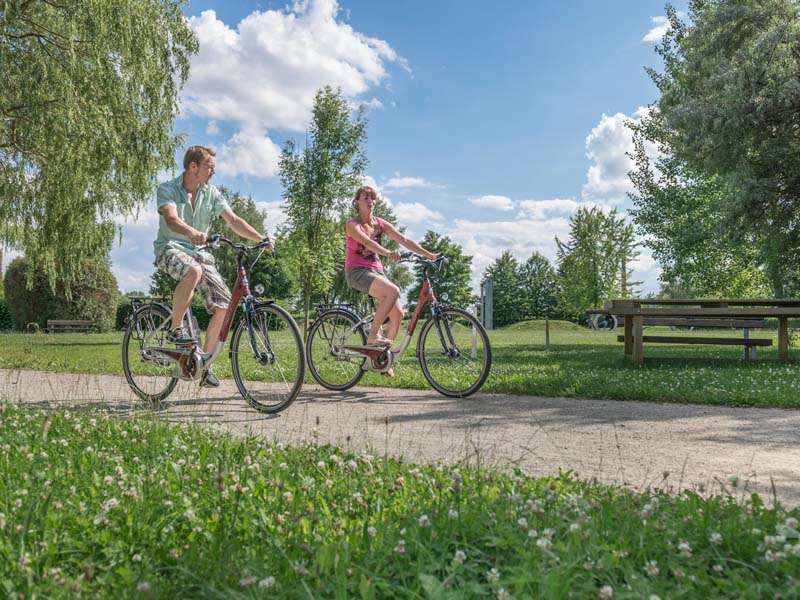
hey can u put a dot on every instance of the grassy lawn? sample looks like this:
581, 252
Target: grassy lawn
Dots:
95, 506
582, 363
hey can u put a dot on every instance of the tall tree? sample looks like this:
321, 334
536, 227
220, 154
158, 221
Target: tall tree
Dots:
680, 216
506, 290
318, 183
88, 99
593, 264
730, 106
538, 287
452, 280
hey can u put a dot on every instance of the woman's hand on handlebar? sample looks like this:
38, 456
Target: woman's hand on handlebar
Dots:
394, 255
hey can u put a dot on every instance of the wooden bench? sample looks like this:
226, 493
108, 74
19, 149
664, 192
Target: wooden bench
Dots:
66, 325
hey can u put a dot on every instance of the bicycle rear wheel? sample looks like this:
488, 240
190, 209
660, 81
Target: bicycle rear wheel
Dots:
331, 365
150, 377
269, 367
454, 353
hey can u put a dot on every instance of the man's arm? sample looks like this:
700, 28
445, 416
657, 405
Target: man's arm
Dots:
179, 226
240, 226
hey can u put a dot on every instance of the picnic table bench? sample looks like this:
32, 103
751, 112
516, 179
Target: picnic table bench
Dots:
746, 314
56, 325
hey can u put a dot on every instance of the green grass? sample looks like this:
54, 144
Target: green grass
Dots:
582, 363
99, 507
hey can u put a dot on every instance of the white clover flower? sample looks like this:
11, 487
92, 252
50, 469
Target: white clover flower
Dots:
371, 531
143, 587
493, 576
684, 549
189, 515
452, 513
718, 569
321, 464
424, 521
267, 583
651, 568
502, 594
211, 467
136, 558
544, 543
533, 534
283, 466
329, 483
606, 593
110, 504
108, 480
574, 527
522, 522
460, 557
246, 581
715, 538
400, 548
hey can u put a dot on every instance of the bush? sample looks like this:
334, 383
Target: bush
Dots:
5, 316
93, 296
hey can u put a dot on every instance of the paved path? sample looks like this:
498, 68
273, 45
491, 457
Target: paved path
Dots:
638, 444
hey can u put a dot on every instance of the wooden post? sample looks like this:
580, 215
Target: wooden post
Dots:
638, 348
783, 338
628, 336
547, 334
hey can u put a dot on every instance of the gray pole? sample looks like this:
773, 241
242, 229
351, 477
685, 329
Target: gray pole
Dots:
489, 304
547, 334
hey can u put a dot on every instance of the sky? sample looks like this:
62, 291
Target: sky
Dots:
491, 124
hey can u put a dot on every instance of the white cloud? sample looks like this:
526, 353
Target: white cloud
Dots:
212, 128
608, 146
276, 215
660, 27
495, 202
249, 153
397, 182
415, 212
265, 72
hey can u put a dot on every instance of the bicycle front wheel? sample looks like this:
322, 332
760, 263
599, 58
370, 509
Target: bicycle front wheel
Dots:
149, 376
267, 359
331, 364
454, 353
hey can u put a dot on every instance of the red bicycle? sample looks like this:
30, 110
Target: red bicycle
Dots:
266, 350
453, 348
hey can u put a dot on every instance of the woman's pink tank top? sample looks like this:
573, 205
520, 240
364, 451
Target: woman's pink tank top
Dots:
360, 256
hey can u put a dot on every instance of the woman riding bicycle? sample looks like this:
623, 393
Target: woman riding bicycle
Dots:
363, 268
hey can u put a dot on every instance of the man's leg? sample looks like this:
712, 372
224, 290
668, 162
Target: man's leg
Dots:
214, 325
182, 296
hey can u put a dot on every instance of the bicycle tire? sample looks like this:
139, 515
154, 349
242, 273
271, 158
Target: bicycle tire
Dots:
269, 384
454, 353
331, 366
150, 379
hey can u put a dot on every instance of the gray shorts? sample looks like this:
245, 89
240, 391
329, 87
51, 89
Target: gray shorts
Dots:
212, 289
361, 278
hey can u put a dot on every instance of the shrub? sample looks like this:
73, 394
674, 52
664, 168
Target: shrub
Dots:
5, 316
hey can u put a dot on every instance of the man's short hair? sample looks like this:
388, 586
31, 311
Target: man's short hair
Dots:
196, 154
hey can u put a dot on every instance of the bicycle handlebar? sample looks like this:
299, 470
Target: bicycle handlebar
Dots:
215, 239
437, 264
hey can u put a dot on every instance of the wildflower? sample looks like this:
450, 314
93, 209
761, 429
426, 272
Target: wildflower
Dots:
502, 594
606, 593
533, 534
718, 569
460, 557
328, 483
210, 467
400, 548
287, 496
136, 558
371, 531
544, 543
620, 554
283, 466
110, 504
424, 521
143, 587
651, 568
267, 583
108, 480
493, 576
245, 581
452, 513
321, 464
684, 549
522, 522
715, 538
189, 515
574, 527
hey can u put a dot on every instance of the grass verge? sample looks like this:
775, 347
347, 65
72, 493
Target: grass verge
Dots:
96, 506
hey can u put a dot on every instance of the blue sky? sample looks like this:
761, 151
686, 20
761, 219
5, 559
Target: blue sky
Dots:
490, 124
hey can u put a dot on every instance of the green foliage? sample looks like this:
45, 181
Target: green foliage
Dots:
680, 217
730, 109
5, 316
88, 100
318, 183
454, 279
269, 270
92, 295
506, 290
539, 287
593, 264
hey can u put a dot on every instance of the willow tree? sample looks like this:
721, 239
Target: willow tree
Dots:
89, 95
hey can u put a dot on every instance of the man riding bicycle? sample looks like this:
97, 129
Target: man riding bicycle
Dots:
186, 206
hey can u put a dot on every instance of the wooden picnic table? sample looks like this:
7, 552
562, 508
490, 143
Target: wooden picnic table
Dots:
635, 311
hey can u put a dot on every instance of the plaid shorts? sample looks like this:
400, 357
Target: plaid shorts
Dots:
212, 289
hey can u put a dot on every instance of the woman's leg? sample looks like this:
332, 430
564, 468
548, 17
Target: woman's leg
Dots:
388, 296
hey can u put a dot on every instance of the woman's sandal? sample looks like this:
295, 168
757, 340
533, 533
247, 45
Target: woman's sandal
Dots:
380, 341
388, 373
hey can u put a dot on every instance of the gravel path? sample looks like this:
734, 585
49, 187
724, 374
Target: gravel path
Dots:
636, 444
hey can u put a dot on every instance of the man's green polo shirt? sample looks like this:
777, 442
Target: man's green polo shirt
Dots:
209, 203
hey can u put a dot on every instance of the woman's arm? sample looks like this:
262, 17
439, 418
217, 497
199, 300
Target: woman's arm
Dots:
398, 237
354, 231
